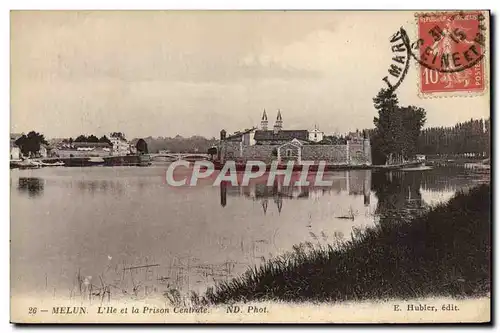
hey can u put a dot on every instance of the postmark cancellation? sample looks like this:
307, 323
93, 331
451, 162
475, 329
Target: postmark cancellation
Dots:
451, 53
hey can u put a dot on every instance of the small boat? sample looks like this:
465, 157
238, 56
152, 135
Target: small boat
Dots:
418, 168
29, 164
53, 164
401, 166
15, 163
477, 166
96, 160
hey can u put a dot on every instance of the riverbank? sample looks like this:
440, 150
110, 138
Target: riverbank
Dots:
298, 167
123, 160
444, 253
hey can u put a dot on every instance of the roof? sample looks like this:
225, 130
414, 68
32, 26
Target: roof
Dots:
278, 117
264, 115
287, 135
294, 142
239, 134
15, 136
91, 144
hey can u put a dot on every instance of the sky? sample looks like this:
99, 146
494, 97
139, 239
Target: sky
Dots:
161, 73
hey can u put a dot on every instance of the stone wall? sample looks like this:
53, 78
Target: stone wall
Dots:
230, 150
66, 153
334, 154
289, 152
359, 153
259, 153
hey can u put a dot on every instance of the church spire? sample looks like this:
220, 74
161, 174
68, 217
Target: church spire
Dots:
263, 121
278, 125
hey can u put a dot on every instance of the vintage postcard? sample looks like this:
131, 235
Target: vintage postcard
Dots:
250, 167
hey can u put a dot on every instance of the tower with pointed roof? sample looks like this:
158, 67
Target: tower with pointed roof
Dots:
263, 121
278, 125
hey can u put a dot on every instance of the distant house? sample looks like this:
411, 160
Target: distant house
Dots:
290, 151
420, 157
84, 149
246, 137
316, 135
15, 136
43, 151
15, 151
89, 146
120, 145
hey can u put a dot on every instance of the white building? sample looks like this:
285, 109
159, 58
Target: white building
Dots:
120, 145
316, 135
420, 157
15, 153
43, 151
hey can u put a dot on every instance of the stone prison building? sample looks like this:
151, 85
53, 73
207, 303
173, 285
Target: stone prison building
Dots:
286, 145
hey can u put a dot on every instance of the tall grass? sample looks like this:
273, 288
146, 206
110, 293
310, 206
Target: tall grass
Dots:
445, 252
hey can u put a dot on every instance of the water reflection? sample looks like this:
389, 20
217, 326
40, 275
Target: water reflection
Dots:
130, 216
31, 185
450, 179
396, 192
355, 183
398, 195
107, 186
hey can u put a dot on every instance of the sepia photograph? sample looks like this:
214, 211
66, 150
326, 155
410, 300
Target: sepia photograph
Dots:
250, 166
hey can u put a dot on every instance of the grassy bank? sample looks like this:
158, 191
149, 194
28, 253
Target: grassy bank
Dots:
445, 252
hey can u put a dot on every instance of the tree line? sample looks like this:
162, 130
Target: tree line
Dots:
470, 137
94, 139
179, 144
333, 140
398, 133
91, 138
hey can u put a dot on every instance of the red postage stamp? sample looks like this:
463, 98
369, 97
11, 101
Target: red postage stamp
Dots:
451, 48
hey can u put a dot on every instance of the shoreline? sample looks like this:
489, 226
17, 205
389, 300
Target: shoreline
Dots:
121, 160
449, 244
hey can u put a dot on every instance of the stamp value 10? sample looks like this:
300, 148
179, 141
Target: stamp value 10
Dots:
451, 48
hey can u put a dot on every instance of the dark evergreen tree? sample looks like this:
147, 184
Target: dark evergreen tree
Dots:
92, 138
104, 139
31, 143
81, 138
397, 129
141, 146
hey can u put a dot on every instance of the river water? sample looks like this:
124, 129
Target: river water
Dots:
122, 232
